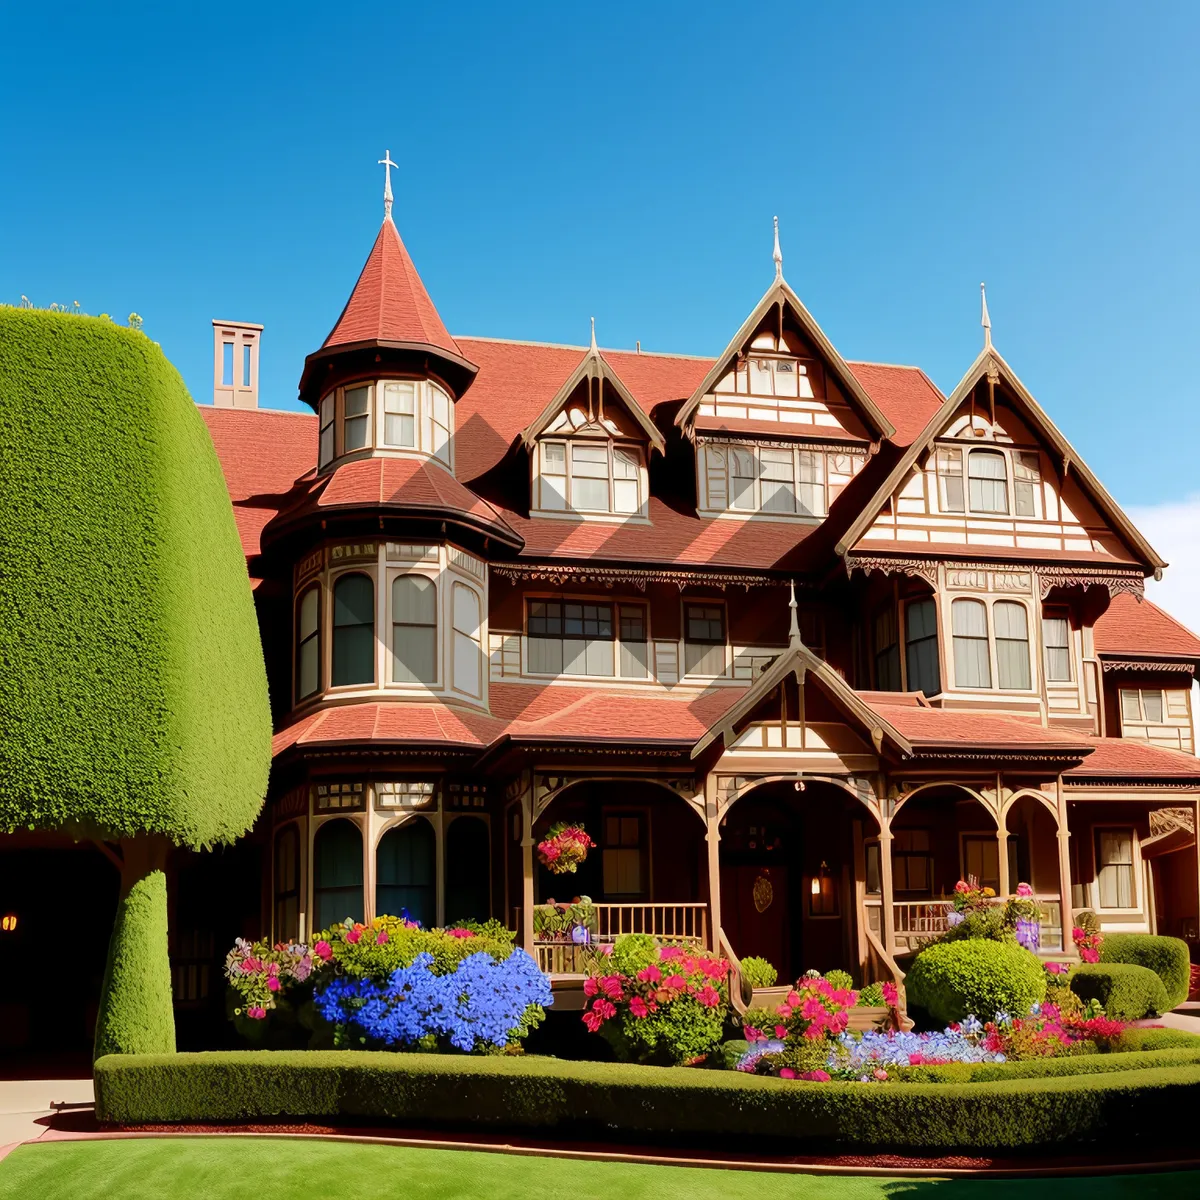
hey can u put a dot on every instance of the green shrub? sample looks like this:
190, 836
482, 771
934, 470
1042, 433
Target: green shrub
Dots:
758, 973
1126, 992
1167, 957
870, 995
1156, 1039
1150, 1104
952, 980
631, 952
991, 924
840, 979
1094, 1062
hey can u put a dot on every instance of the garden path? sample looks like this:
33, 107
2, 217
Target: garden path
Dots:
23, 1102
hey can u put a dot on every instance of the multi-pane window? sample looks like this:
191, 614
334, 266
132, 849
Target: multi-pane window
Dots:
1142, 705
467, 640
1159, 716
912, 861
950, 481
773, 374
769, 479
353, 631
1012, 645
414, 629
987, 478
358, 405
590, 476
622, 853
1114, 868
887, 652
400, 413
308, 643
921, 647
1027, 476
703, 639
1056, 641
580, 638
325, 418
972, 667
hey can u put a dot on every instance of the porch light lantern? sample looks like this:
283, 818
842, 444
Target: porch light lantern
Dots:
8, 923
824, 902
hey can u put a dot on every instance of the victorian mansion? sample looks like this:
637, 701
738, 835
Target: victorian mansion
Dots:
799, 641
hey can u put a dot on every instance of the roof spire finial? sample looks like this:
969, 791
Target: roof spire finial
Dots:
778, 255
593, 335
386, 163
985, 320
794, 629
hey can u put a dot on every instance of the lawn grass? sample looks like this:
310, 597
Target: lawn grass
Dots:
232, 1168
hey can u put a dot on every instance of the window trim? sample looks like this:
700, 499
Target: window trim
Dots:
685, 603
368, 573
612, 445
989, 602
820, 455
616, 603
477, 639
393, 576
300, 643
643, 815
1010, 453
1135, 866
1058, 613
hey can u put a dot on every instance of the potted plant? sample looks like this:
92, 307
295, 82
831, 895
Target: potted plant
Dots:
564, 847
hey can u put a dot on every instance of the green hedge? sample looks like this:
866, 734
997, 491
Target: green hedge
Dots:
1127, 992
1088, 1063
1157, 1039
1152, 1103
952, 980
1167, 957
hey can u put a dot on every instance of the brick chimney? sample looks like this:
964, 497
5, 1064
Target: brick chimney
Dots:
235, 364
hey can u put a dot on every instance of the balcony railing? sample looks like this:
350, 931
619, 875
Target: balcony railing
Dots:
918, 921
561, 954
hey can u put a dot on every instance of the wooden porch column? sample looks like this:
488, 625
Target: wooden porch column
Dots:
1006, 885
886, 900
713, 839
527, 865
1064, 867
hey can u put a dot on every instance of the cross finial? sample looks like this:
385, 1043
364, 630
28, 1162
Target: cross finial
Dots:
794, 630
386, 163
778, 255
985, 320
593, 335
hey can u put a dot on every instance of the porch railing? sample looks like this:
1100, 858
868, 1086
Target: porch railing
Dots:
561, 955
919, 920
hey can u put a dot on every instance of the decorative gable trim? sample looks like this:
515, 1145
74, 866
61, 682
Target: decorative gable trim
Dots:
991, 362
779, 293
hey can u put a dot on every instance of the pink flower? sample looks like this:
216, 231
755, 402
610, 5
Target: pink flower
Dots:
593, 1021
381, 938
786, 1073
637, 1006
273, 983
650, 974
669, 952
272, 970
816, 1076
255, 1012
784, 1010
610, 985
590, 986
353, 935
709, 996
459, 932
676, 982
605, 1008
781, 1031
1023, 889
915, 1059
323, 951
812, 1009
891, 994
880, 1074
754, 1035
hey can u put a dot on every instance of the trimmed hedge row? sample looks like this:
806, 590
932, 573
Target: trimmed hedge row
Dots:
1126, 991
1167, 957
1044, 1068
1151, 1103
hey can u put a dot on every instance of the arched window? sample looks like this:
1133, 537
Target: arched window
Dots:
1012, 645
988, 480
337, 874
468, 860
467, 651
308, 643
353, 630
972, 667
414, 629
287, 884
405, 879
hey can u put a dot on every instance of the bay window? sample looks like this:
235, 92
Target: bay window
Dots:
987, 481
355, 431
770, 479
467, 640
400, 413
395, 414
590, 476
1005, 650
308, 643
353, 630
414, 629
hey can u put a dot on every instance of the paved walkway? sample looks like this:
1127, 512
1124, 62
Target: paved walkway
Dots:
23, 1102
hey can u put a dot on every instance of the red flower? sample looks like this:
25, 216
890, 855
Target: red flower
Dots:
637, 1006
669, 952
273, 983
675, 983
650, 974
709, 996
323, 951
593, 1021
786, 1073
590, 986
610, 985
353, 935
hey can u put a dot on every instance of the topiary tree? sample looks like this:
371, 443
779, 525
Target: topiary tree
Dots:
1167, 957
980, 977
133, 696
1126, 991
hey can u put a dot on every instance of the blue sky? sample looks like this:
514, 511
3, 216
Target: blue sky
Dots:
625, 161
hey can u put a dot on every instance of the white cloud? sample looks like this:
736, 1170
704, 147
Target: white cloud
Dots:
1173, 529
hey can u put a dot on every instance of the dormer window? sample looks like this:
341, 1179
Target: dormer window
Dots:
392, 414
770, 369
990, 475
785, 480
591, 476
988, 481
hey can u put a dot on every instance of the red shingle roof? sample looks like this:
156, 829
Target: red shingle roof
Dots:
1125, 758
1140, 629
389, 302
394, 721
950, 727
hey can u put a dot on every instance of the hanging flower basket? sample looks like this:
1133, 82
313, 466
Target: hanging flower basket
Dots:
564, 848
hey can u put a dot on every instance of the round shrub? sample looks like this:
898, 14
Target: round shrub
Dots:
840, 979
758, 973
1126, 991
1167, 957
952, 980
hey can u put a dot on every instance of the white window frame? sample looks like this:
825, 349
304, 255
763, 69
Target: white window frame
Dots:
426, 393
437, 579
725, 472
612, 447
1056, 613
727, 658
616, 604
327, 424
989, 603
1011, 455
1135, 866
476, 639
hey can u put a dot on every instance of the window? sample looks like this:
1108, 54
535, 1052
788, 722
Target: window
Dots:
950, 481
912, 861
414, 629
981, 860
405, 882
768, 479
1159, 716
1056, 639
328, 404
468, 870
353, 630
769, 374
622, 854
1012, 645
439, 423
358, 403
887, 652
308, 643
921, 647
968, 620
1114, 868
635, 661
873, 869
400, 413
1027, 476
988, 479
337, 873
580, 638
703, 639
594, 476
467, 641
287, 884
